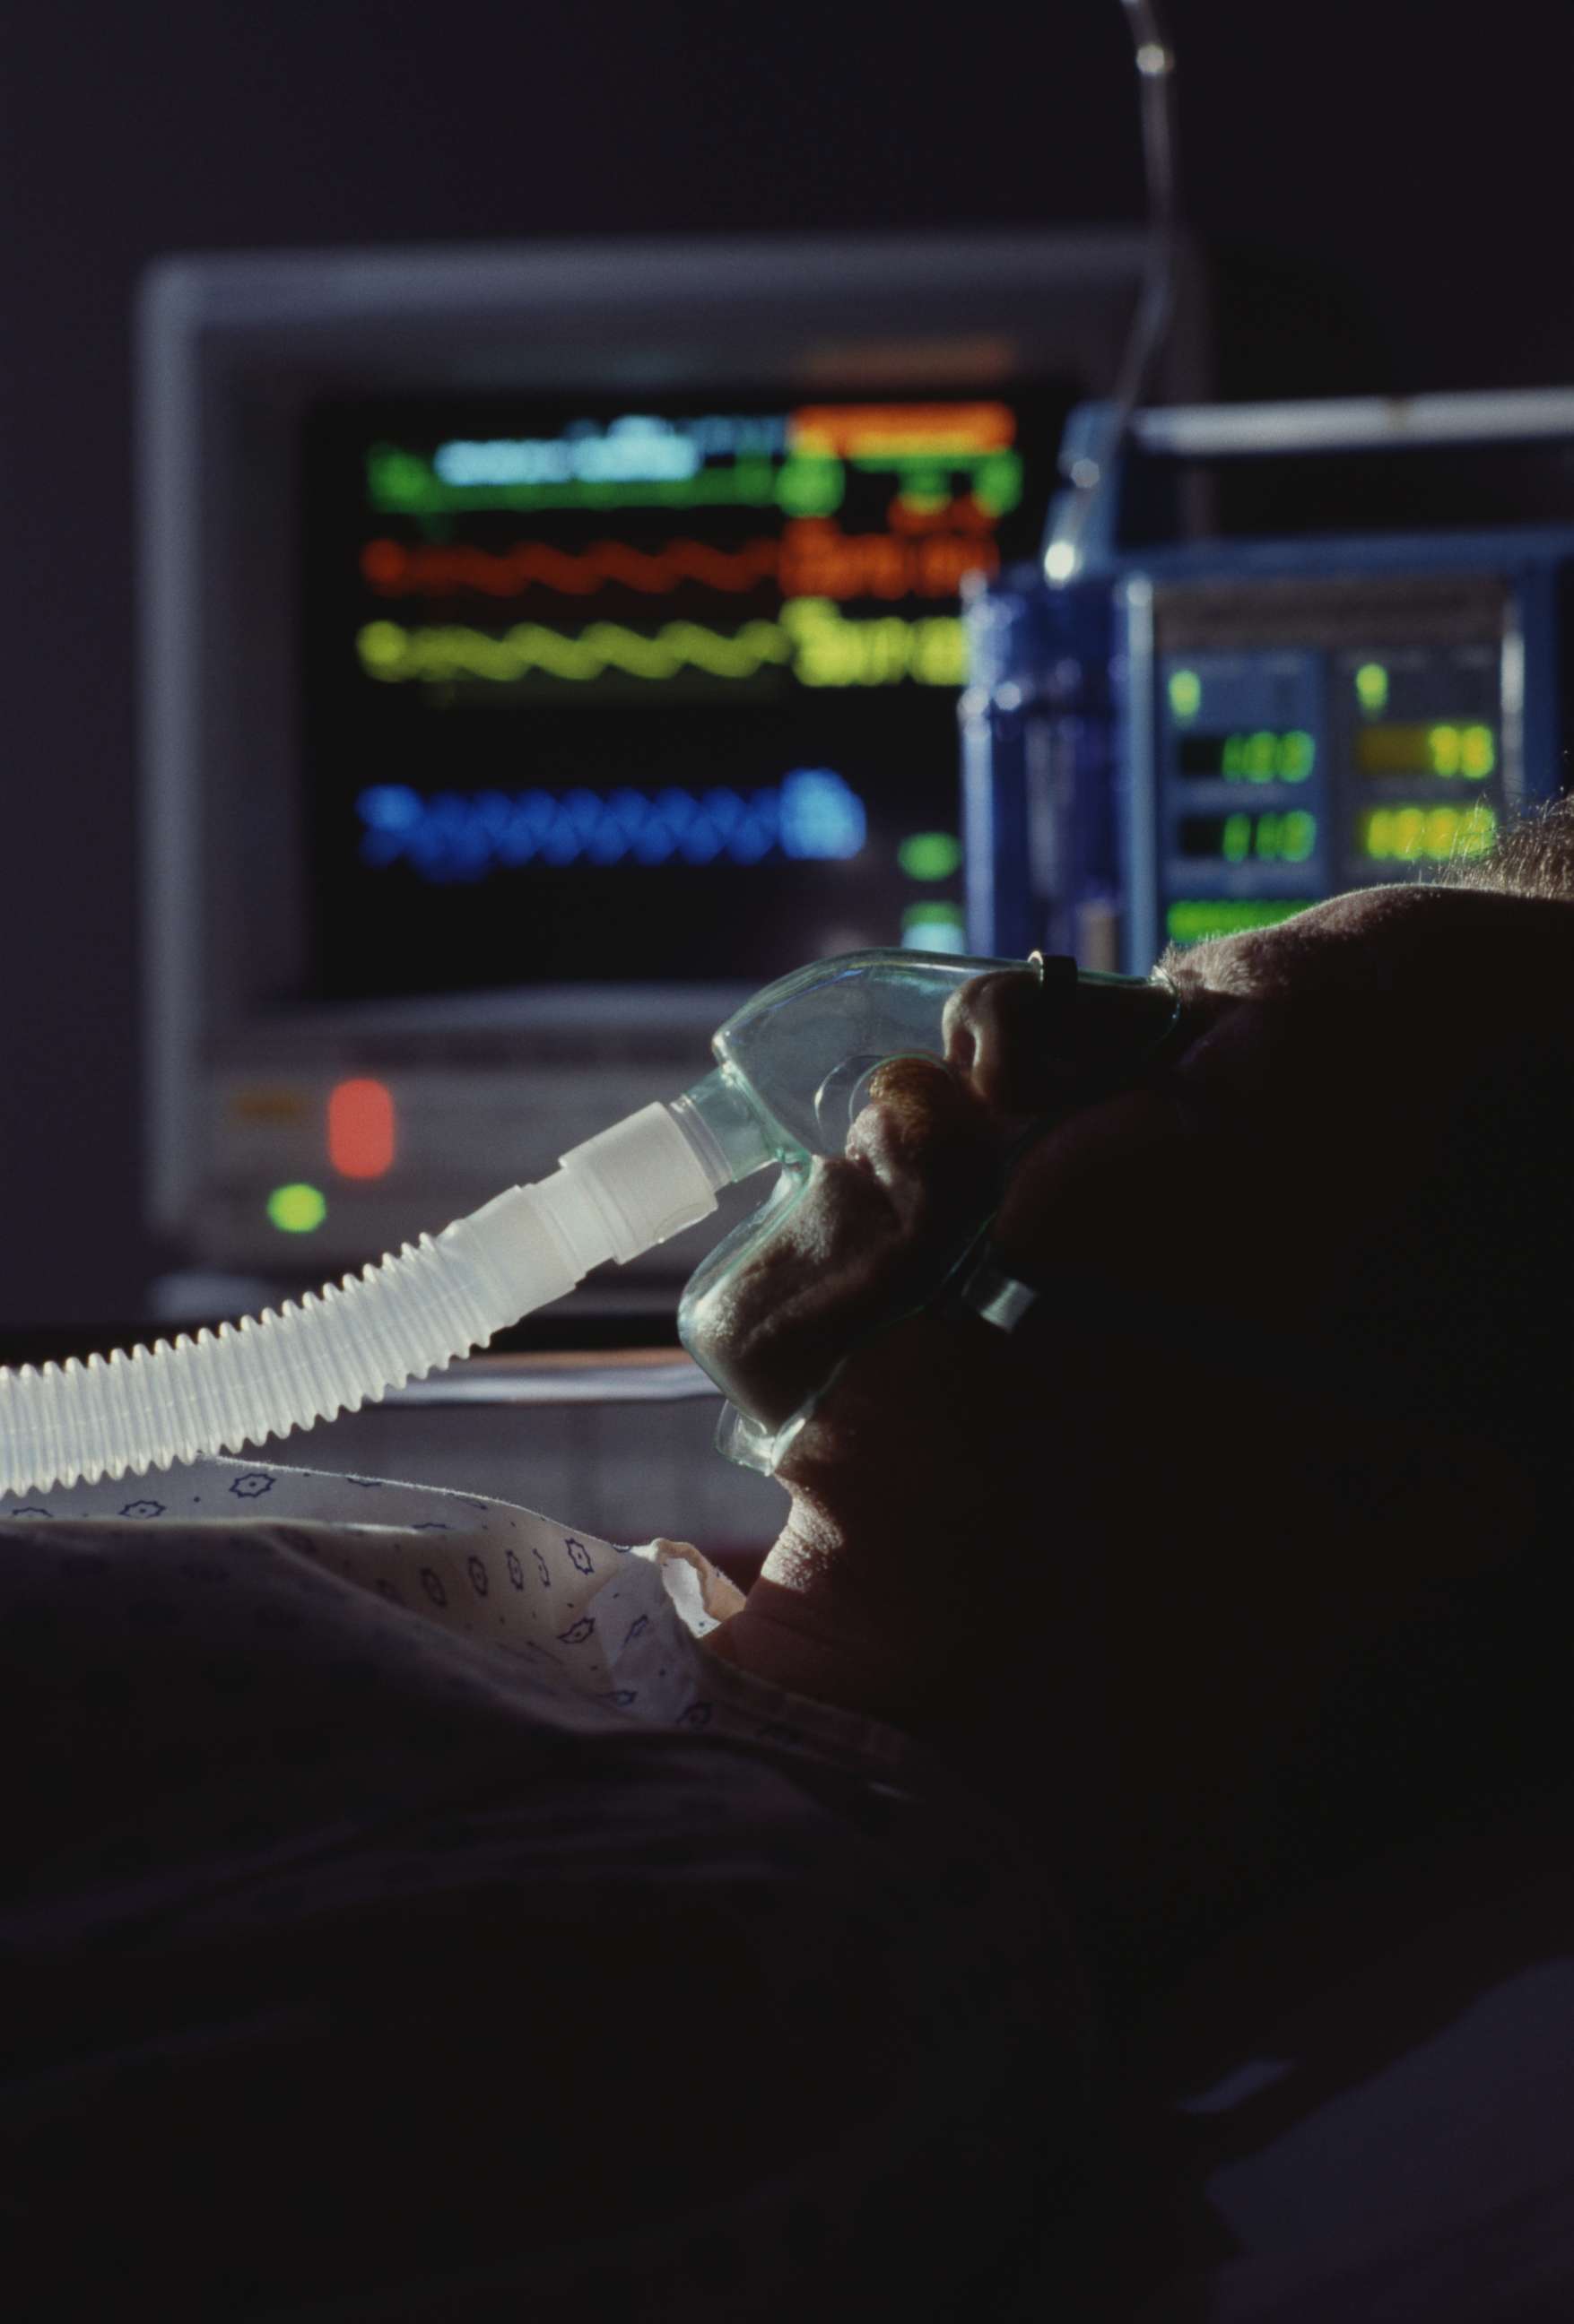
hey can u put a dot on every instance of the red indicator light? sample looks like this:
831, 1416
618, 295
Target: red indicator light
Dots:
360, 1129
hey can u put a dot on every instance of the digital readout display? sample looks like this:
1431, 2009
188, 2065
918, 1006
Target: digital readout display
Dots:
1243, 838
1424, 833
1263, 754
1192, 919
1399, 747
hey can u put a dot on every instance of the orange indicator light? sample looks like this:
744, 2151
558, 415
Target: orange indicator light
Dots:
360, 1129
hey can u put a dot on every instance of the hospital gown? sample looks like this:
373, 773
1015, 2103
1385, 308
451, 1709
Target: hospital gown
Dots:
405, 1917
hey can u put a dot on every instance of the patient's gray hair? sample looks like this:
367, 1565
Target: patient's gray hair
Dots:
1533, 856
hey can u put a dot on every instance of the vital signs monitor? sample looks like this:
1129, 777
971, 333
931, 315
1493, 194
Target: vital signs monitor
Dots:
544, 649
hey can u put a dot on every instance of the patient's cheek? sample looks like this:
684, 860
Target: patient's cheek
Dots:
1103, 1190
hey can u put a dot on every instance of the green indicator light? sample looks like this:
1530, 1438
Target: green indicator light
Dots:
934, 927
930, 854
1235, 843
297, 1210
1372, 686
809, 485
397, 480
1194, 919
1185, 693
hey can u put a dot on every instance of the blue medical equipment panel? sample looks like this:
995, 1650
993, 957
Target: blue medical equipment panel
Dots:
1191, 738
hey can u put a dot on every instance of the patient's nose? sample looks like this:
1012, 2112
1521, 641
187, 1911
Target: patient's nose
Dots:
1031, 1044
998, 1030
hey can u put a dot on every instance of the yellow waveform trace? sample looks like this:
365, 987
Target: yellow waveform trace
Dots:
442, 653
820, 644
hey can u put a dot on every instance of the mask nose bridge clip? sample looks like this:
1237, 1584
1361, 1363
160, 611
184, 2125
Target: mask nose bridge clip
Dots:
1064, 984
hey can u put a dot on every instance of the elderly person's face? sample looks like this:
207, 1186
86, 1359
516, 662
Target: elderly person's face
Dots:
1330, 1052
1287, 1169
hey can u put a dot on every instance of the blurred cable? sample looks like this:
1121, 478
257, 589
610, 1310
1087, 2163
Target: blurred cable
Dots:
1070, 510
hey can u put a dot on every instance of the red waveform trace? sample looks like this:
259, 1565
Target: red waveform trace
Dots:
441, 570
813, 559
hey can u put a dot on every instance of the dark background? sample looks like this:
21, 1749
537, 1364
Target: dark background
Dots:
1386, 189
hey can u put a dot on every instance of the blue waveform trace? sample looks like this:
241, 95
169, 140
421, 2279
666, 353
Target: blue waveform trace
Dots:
811, 816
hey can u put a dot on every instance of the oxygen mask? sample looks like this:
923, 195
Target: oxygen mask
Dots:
1031, 1043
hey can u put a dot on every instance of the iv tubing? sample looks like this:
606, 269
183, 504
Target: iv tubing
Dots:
627, 1188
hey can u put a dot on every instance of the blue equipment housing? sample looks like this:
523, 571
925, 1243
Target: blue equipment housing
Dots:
1194, 735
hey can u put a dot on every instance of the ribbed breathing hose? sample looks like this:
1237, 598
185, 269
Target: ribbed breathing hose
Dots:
223, 1390
349, 1343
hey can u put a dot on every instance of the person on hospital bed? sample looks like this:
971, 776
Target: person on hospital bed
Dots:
351, 1975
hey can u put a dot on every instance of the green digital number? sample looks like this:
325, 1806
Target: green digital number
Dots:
1265, 756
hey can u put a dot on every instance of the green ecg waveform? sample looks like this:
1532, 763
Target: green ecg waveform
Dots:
405, 483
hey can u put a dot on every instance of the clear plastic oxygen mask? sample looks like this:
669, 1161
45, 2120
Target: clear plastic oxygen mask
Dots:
804, 1053
793, 1073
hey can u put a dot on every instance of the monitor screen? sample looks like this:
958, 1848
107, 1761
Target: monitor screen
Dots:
598, 693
